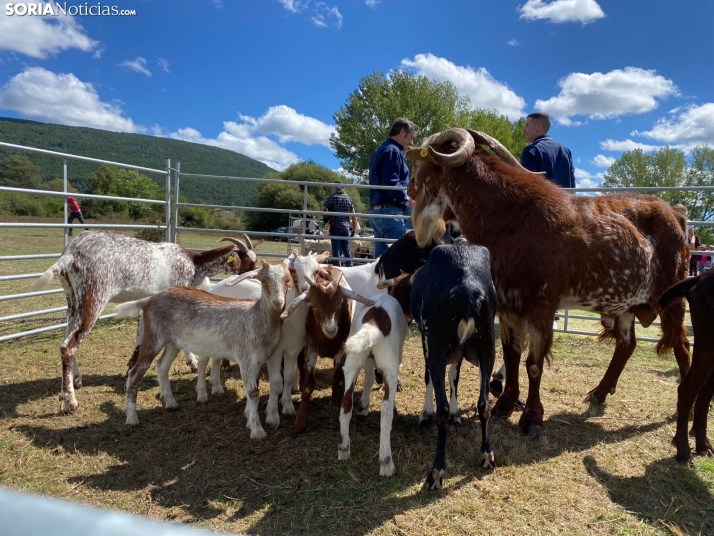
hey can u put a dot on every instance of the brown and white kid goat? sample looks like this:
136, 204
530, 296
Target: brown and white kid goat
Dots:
101, 266
244, 331
611, 254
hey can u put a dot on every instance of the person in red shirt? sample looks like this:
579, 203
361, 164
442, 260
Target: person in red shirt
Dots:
75, 213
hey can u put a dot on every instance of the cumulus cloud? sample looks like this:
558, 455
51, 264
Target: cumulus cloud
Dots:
625, 145
290, 126
513, 43
693, 125
64, 99
242, 138
327, 16
138, 65
164, 64
607, 95
558, 11
40, 37
603, 161
483, 90
584, 179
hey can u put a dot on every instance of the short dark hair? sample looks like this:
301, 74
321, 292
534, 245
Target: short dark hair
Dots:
403, 124
542, 118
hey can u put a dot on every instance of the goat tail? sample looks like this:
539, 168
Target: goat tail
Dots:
367, 337
132, 308
46, 278
679, 290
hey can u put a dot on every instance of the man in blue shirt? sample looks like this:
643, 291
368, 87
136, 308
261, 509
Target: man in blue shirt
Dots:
339, 201
388, 167
546, 154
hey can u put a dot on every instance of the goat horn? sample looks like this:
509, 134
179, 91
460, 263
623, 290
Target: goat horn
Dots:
461, 155
247, 241
248, 275
296, 303
354, 296
237, 242
498, 148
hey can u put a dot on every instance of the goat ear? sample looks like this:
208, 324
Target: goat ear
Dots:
322, 256
354, 296
388, 283
417, 153
248, 275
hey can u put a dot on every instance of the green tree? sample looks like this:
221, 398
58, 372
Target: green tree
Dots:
113, 181
701, 204
290, 197
17, 171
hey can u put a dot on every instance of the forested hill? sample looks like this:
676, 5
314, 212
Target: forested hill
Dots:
138, 150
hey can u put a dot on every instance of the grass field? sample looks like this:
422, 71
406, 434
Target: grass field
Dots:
595, 470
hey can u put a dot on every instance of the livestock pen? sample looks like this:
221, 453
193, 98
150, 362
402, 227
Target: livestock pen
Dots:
595, 470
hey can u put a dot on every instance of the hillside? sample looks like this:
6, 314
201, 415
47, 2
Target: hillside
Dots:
136, 149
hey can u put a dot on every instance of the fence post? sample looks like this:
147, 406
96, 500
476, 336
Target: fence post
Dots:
174, 220
168, 200
64, 204
304, 219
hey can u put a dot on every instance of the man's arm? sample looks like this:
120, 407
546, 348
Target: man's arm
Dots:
530, 159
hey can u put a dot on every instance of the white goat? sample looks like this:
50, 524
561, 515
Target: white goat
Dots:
244, 331
376, 339
101, 266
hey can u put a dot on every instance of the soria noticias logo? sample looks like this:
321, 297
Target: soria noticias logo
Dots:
49, 9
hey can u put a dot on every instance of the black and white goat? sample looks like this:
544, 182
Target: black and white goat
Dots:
453, 300
101, 266
244, 331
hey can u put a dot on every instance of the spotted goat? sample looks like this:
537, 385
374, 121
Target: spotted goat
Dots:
101, 266
611, 254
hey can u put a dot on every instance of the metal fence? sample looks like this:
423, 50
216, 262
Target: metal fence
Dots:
171, 227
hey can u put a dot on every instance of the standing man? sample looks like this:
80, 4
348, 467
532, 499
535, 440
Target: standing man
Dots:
546, 154
388, 167
339, 201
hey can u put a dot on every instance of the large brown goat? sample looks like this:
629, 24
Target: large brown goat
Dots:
611, 254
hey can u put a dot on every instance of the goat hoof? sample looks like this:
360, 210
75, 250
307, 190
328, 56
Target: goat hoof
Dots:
386, 467
455, 421
534, 431
343, 453
69, 406
594, 399
78, 382
496, 388
488, 460
172, 405
435, 479
425, 419
272, 419
258, 435
194, 368
520, 404
399, 389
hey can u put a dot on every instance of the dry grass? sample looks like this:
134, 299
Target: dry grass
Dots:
596, 470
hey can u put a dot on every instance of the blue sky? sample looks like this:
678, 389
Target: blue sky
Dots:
264, 78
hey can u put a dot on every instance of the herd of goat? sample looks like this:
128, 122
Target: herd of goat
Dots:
539, 248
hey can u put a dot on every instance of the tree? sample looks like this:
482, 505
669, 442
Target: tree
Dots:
364, 121
108, 180
290, 197
17, 171
670, 167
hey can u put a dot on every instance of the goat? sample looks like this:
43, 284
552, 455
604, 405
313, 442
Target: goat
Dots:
612, 254
245, 331
378, 335
699, 381
327, 326
101, 266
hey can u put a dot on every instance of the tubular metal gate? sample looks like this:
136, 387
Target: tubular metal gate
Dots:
171, 227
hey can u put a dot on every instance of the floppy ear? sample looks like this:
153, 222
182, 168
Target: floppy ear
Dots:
322, 256
248, 275
387, 283
295, 304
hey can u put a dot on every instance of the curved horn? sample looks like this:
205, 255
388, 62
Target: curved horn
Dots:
237, 242
498, 148
253, 274
465, 147
296, 303
352, 295
247, 241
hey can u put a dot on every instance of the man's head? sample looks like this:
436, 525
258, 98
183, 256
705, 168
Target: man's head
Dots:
403, 132
336, 189
537, 124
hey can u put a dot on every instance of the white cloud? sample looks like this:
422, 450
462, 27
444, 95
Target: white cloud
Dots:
290, 126
609, 95
584, 179
63, 99
293, 6
558, 11
603, 161
372, 3
625, 145
138, 65
483, 90
692, 125
327, 16
40, 37
241, 138
164, 64
513, 43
